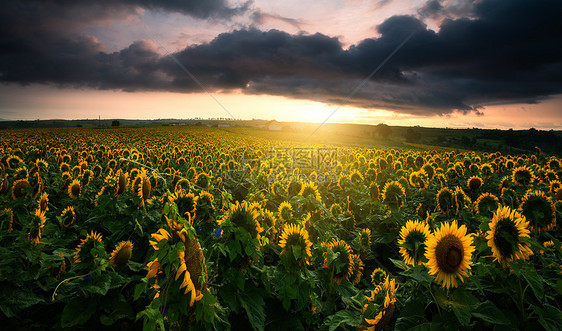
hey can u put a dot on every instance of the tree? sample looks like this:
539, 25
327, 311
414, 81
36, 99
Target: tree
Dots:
412, 135
115, 123
383, 130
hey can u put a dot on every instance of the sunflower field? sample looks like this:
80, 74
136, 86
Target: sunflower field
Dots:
178, 228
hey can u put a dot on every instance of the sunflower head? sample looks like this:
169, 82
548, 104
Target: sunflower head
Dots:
393, 194
522, 176
68, 216
378, 276
44, 202
448, 253
342, 266
285, 212
413, 237
474, 183
486, 204
7, 217
245, 216
74, 189
539, 210
444, 199
204, 207
143, 187
19, 188
193, 268
460, 199
37, 224
89, 248
121, 182
186, 202
310, 189
559, 194
378, 310
505, 237
335, 209
357, 270
294, 188
294, 242
121, 254
365, 238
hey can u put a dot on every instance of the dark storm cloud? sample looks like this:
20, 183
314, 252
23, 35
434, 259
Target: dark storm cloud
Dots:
511, 52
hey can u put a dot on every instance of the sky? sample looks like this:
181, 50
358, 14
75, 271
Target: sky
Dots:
434, 63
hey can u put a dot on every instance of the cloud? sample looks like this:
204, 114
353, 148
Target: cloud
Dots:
510, 52
259, 17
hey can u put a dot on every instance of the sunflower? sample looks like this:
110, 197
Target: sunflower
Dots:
378, 276
5, 184
448, 252
412, 240
36, 227
474, 183
310, 189
522, 176
84, 249
559, 194
143, 187
121, 182
245, 216
365, 238
507, 229
74, 189
202, 180
19, 188
21, 173
336, 209
193, 268
68, 216
379, 308
539, 210
64, 167
157, 237
7, 215
13, 161
121, 254
342, 266
293, 188
186, 202
554, 186
460, 199
357, 271
393, 194
356, 177
295, 235
204, 206
153, 268
44, 202
444, 199
285, 211
486, 204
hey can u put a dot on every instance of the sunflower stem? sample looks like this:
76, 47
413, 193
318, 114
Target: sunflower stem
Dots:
434, 300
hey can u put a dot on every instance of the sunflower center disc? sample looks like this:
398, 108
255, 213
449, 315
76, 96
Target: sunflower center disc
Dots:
449, 253
454, 257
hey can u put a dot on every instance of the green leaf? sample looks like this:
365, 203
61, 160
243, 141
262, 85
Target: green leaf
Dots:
252, 301
139, 289
550, 317
119, 309
13, 301
535, 281
344, 317
558, 287
77, 312
488, 312
400, 264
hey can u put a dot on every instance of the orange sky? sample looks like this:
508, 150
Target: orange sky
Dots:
52, 103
